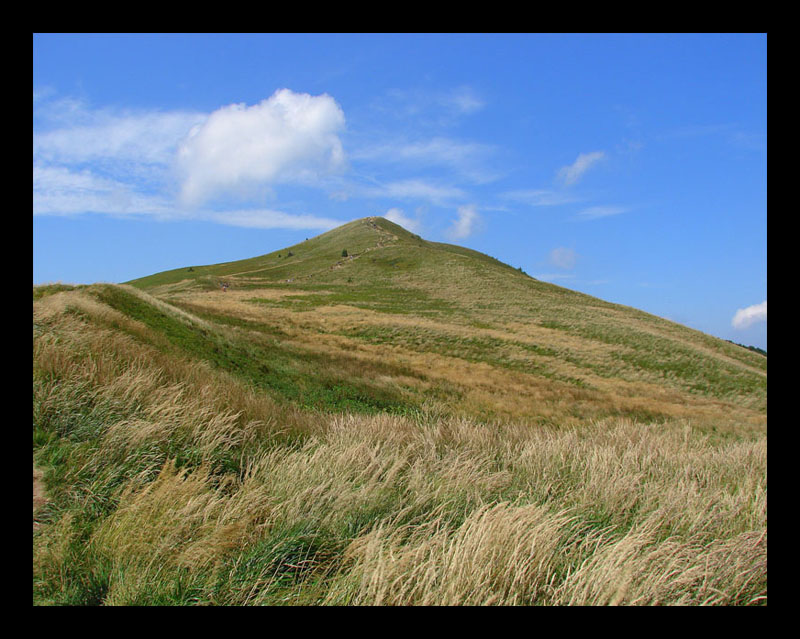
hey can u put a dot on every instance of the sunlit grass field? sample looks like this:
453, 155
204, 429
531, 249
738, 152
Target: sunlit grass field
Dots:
413, 424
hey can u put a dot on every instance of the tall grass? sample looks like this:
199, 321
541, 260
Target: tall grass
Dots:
171, 482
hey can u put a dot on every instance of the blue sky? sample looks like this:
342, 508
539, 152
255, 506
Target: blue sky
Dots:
631, 167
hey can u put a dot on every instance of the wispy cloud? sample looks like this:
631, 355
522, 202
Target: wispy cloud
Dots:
463, 100
730, 132
42, 93
572, 173
268, 219
440, 107
465, 223
466, 159
746, 317
414, 189
108, 138
58, 191
552, 277
563, 257
595, 212
540, 197
105, 161
61, 191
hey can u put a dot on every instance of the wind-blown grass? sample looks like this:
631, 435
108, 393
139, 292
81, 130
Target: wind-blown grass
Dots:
174, 482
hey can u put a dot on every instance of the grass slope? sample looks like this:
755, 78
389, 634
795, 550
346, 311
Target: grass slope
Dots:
414, 423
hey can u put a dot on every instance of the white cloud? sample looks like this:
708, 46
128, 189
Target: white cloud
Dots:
398, 217
464, 225
289, 137
746, 317
594, 212
563, 257
572, 173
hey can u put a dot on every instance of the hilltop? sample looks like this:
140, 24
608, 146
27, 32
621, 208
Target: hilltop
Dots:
370, 260
368, 417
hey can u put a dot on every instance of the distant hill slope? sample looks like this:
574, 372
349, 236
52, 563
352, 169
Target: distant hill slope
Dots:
389, 248
433, 304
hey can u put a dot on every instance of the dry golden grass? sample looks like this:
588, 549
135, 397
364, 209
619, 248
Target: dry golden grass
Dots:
681, 544
184, 484
486, 388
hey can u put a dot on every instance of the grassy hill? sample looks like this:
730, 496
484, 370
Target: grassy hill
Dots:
369, 417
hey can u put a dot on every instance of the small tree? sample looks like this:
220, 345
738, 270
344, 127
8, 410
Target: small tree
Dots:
344, 252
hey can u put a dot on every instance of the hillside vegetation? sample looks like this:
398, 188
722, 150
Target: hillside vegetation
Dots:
370, 418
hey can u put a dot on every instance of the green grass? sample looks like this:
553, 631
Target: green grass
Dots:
308, 379
384, 299
674, 363
512, 355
